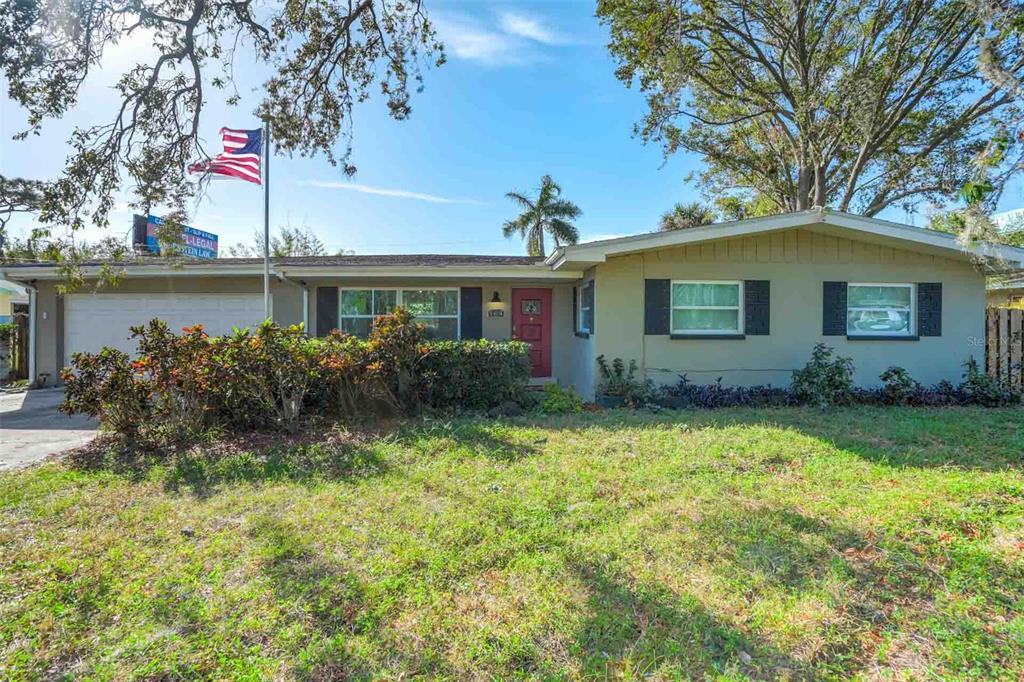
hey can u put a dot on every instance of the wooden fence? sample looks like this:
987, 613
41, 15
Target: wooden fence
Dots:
1004, 344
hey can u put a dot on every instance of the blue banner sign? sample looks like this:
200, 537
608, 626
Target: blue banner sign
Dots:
195, 243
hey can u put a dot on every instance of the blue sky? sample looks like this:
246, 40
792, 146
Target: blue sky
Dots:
528, 89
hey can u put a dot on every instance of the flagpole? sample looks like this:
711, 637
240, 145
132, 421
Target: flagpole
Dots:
266, 219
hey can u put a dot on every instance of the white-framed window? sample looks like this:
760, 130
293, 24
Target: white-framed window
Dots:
707, 307
435, 308
880, 309
585, 303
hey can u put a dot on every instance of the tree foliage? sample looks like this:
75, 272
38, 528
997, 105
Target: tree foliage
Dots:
18, 195
288, 242
549, 213
858, 105
684, 216
323, 57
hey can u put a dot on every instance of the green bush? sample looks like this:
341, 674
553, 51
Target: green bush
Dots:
898, 388
826, 380
108, 387
619, 381
181, 385
559, 400
978, 388
473, 375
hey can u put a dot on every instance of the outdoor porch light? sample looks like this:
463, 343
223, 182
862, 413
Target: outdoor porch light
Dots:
495, 306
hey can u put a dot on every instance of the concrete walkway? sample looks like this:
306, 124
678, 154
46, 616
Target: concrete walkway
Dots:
31, 428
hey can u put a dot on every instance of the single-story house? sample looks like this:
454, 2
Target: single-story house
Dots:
1006, 294
745, 301
10, 295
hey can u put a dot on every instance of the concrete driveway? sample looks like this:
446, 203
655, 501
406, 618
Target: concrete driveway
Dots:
32, 429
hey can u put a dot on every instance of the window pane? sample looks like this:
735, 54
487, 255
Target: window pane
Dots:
705, 295
441, 327
431, 302
588, 318
878, 297
355, 302
358, 326
706, 320
878, 321
384, 301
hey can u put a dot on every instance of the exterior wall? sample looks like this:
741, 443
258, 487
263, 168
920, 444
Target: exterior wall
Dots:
5, 306
287, 306
494, 328
796, 262
574, 361
565, 363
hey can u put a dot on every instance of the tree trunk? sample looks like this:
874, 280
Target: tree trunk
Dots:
819, 187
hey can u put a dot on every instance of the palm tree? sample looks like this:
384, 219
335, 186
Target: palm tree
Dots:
683, 216
549, 213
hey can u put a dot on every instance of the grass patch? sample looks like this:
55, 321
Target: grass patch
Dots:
742, 544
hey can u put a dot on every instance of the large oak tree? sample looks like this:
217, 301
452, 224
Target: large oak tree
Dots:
322, 57
857, 105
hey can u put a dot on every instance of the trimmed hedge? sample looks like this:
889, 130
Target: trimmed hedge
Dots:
473, 375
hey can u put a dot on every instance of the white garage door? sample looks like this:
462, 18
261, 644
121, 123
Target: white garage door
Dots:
92, 321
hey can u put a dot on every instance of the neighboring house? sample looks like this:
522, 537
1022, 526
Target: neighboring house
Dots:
10, 294
745, 301
1006, 294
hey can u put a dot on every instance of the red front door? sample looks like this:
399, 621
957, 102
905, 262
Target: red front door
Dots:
531, 322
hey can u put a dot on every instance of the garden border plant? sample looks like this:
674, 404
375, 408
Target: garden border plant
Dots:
825, 381
181, 385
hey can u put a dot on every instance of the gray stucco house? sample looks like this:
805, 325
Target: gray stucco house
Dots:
744, 300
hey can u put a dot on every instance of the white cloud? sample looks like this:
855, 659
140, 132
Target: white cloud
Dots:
529, 28
468, 39
515, 39
390, 192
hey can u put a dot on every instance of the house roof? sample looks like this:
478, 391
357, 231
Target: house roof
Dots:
381, 266
407, 260
1008, 284
565, 263
999, 257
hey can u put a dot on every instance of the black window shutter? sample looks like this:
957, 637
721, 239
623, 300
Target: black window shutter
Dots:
756, 307
929, 309
326, 310
575, 312
833, 321
657, 303
471, 312
588, 301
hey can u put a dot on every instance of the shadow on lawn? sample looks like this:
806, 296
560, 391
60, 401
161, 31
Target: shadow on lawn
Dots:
647, 630
969, 438
202, 473
201, 469
334, 605
886, 597
477, 437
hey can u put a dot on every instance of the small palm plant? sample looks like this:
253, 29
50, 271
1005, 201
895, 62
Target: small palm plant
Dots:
685, 216
549, 213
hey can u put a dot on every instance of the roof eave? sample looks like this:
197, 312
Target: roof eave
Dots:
538, 271
999, 257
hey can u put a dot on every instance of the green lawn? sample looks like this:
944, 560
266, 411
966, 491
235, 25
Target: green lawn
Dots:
872, 543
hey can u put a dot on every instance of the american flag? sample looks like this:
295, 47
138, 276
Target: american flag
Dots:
241, 156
